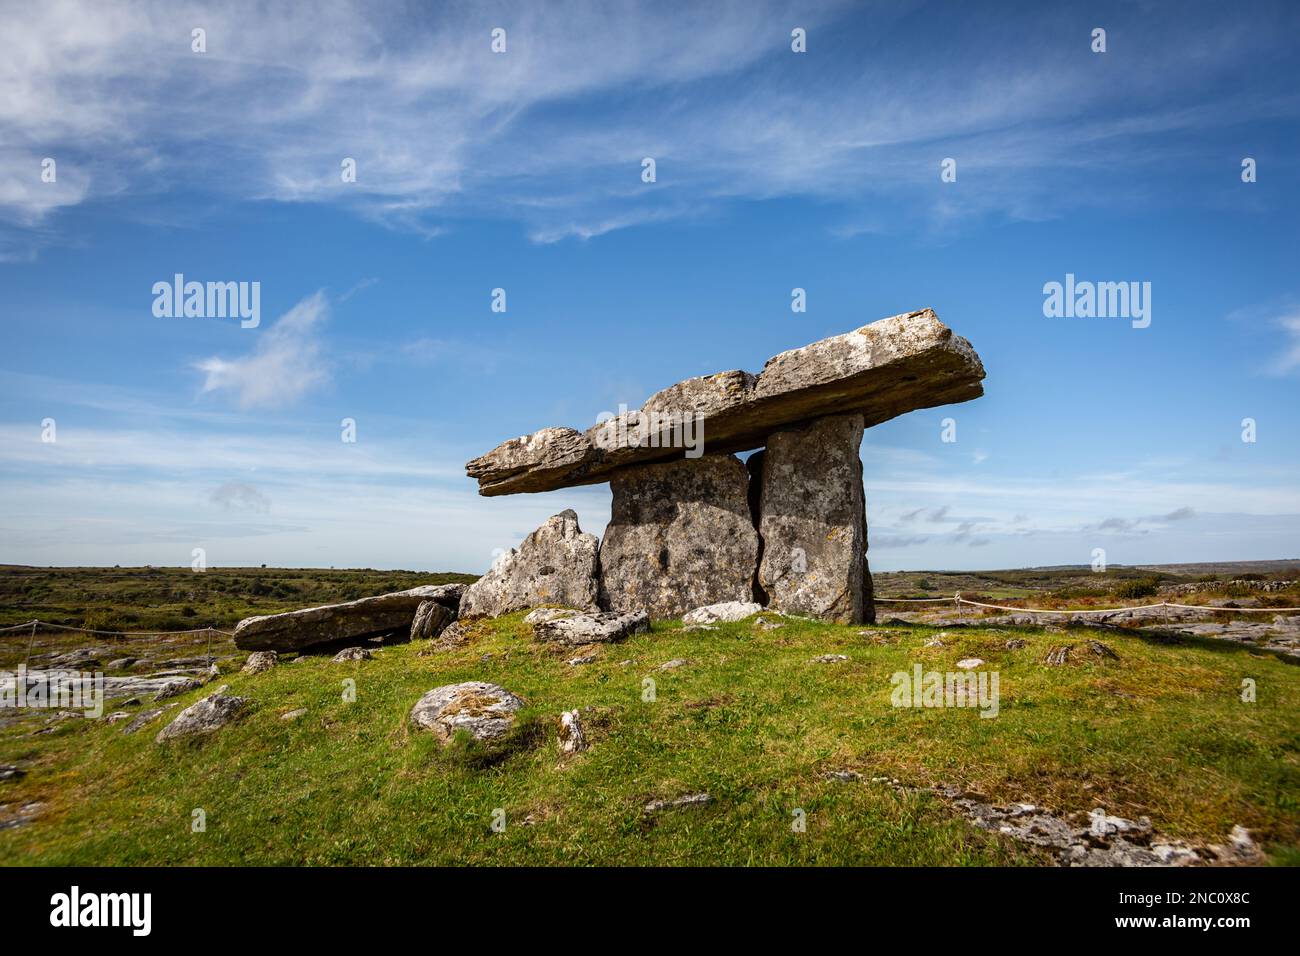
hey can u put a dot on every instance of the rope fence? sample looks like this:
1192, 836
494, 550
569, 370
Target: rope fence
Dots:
958, 600
86, 630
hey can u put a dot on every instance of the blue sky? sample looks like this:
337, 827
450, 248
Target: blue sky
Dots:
522, 170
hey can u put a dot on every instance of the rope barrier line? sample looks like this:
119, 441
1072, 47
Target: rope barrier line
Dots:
958, 599
86, 630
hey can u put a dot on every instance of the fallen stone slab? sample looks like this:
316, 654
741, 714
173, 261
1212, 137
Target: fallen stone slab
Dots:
728, 611
556, 564
680, 536
881, 370
602, 627
353, 620
485, 711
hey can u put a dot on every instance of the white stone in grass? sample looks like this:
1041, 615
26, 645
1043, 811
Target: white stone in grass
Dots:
726, 611
970, 663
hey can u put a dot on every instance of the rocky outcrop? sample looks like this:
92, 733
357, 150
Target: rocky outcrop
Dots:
597, 628
680, 536
880, 371
556, 564
484, 711
204, 717
354, 620
812, 520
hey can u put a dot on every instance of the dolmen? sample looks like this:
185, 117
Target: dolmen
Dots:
693, 525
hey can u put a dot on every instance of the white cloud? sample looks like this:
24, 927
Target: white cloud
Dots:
552, 132
285, 364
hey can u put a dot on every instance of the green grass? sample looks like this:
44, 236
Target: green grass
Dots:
1160, 732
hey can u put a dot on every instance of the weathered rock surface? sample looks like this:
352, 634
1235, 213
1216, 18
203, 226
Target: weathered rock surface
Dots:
680, 536
176, 686
485, 711
207, 716
572, 737
556, 564
548, 614
812, 520
881, 370
596, 628
431, 619
260, 661
351, 654
364, 618
726, 611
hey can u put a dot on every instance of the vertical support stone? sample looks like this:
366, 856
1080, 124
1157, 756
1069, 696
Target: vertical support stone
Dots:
812, 521
680, 536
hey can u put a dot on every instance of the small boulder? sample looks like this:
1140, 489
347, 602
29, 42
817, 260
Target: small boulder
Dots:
260, 661
598, 628
294, 714
177, 686
1101, 650
486, 711
572, 738
970, 663
829, 659
673, 664
351, 654
726, 611
205, 717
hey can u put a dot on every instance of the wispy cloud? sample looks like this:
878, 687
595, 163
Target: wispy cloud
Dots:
552, 132
285, 364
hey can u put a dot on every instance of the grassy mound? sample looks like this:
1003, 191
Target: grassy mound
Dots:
750, 719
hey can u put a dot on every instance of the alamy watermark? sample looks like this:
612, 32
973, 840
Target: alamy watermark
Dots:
655, 429
208, 300
922, 688
53, 690
1103, 300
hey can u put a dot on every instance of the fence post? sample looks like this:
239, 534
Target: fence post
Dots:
30, 644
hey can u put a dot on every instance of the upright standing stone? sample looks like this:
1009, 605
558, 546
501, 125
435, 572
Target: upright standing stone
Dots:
812, 519
679, 536
556, 564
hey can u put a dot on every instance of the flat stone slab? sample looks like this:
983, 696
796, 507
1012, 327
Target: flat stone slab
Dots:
367, 617
881, 370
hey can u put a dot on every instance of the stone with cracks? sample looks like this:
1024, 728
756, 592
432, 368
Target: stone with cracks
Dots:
726, 611
880, 371
260, 661
431, 619
354, 620
556, 564
812, 521
485, 711
680, 536
597, 628
204, 717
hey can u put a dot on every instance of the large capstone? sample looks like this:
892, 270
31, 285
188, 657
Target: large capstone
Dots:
556, 564
812, 519
880, 371
353, 620
679, 537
